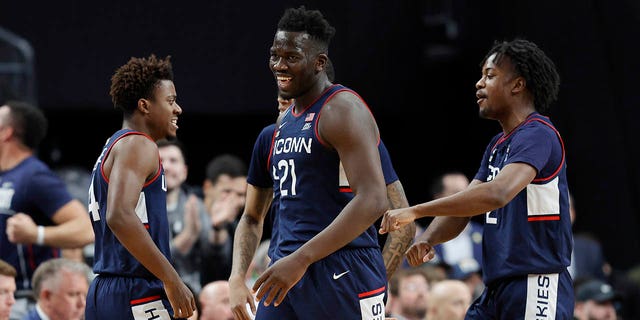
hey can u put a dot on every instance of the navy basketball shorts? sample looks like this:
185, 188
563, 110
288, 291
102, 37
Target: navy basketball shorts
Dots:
536, 296
348, 284
112, 297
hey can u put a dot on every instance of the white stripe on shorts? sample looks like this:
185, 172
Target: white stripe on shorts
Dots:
542, 296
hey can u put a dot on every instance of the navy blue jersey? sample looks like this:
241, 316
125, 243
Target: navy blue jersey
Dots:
31, 188
260, 176
111, 257
532, 233
313, 186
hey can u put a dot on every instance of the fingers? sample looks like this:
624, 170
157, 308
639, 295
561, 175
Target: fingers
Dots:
385, 224
273, 294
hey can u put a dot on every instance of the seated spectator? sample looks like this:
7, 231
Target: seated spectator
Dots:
186, 214
448, 300
7, 289
60, 287
468, 244
595, 300
224, 189
409, 292
587, 258
214, 301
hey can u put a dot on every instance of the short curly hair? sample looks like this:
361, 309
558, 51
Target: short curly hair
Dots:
530, 62
137, 79
309, 21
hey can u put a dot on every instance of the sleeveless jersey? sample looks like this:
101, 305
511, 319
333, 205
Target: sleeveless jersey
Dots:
532, 233
312, 184
260, 176
32, 188
111, 257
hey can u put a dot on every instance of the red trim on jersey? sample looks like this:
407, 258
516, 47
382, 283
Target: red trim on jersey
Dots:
293, 110
273, 140
345, 189
315, 126
146, 226
555, 173
371, 293
143, 300
104, 158
544, 218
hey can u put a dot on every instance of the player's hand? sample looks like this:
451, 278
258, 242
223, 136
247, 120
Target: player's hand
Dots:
239, 297
393, 220
21, 229
181, 299
420, 252
278, 279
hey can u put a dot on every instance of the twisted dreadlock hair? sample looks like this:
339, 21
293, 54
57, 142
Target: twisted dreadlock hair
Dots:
531, 63
137, 79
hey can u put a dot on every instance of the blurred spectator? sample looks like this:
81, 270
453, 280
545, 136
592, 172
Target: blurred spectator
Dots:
409, 294
468, 244
60, 286
595, 300
214, 301
38, 215
468, 271
448, 300
259, 263
224, 189
587, 258
77, 180
186, 214
7, 289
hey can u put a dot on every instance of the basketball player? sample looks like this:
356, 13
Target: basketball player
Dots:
521, 187
127, 202
326, 164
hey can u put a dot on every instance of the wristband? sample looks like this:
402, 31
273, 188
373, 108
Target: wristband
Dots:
40, 238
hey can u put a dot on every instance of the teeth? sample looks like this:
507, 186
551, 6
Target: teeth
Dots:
280, 78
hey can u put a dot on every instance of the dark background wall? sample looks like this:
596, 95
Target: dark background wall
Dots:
414, 62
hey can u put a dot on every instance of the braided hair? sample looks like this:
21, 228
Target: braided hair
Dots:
531, 63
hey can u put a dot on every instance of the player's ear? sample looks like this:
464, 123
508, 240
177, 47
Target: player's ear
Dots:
519, 84
143, 105
321, 61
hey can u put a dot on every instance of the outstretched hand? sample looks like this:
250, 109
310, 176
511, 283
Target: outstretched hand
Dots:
278, 279
393, 220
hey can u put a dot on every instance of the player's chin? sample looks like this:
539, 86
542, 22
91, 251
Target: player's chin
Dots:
171, 134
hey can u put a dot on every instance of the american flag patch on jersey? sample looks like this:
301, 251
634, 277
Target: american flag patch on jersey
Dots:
309, 117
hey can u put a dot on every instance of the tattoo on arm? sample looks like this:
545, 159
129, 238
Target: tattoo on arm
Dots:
397, 241
245, 243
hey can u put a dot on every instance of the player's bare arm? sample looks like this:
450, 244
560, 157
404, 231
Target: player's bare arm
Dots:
477, 199
346, 125
397, 241
246, 241
128, 167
